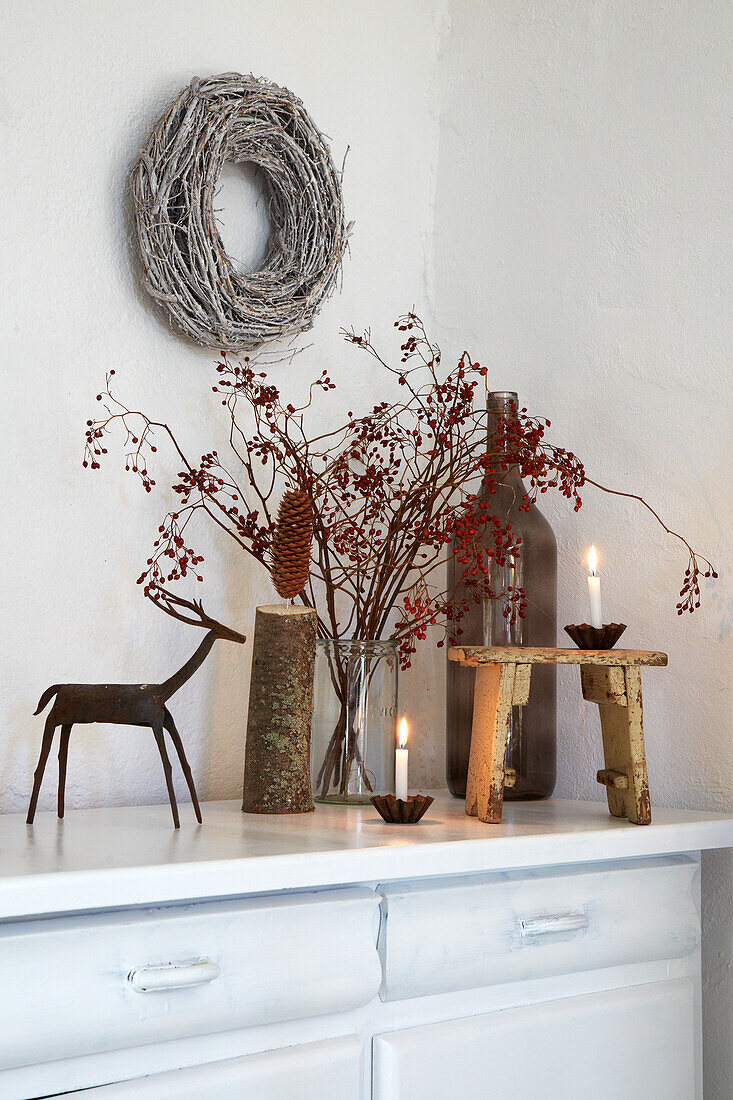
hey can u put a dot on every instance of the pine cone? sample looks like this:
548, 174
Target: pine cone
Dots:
291, 544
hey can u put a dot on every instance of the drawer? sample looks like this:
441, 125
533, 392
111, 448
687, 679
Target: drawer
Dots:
449, 934
329, 1070
622, 1044
80, 985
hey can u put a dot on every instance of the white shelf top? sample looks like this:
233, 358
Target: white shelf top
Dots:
128, 856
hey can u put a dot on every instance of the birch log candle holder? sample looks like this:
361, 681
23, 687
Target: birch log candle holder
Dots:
277, 755
278, 748
609, 678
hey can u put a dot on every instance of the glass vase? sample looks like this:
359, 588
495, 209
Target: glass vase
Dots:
531, 747
354, 716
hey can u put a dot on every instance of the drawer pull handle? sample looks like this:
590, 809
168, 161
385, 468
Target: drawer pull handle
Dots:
152, 979
553, 924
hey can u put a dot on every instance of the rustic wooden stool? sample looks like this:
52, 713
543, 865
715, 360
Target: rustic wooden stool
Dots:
611, 678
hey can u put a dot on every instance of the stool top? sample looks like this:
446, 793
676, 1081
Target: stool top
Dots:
547, 655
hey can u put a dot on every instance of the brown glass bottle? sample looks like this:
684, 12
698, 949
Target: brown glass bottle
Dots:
531, 748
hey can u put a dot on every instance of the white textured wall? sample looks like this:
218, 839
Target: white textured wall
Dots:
543, 179
581, 253
80, 85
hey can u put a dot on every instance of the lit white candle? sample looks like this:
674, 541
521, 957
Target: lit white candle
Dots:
594, 589
400, 764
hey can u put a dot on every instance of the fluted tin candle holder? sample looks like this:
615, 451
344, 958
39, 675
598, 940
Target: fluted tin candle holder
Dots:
586, 636
401, 811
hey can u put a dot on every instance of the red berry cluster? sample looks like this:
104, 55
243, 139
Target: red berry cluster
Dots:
690, 591
396, 492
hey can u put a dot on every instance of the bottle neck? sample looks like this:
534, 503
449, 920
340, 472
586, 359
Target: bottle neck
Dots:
502, 408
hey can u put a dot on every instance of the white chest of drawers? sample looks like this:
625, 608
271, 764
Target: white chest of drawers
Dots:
332, 956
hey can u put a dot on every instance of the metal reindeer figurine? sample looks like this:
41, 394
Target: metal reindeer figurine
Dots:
129, 705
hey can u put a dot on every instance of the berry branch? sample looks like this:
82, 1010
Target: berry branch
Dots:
395, 492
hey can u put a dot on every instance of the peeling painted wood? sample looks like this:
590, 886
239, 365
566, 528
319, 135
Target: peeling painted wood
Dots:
610, 679
491, 708
480, 654
623, 749
522, 677
603, 685
609, 778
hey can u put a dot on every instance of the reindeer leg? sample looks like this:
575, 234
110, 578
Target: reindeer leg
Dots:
63, 757
170, 725
48, 731
158, 731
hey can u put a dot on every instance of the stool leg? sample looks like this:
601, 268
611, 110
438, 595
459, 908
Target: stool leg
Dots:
618, 695
492, 703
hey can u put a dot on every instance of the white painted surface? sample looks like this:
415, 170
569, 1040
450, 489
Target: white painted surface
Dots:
280, 958
330, 1070
131, 855
73, 543
176, 975
558, 170
622, 1045
489, 929
302, 967
582, 251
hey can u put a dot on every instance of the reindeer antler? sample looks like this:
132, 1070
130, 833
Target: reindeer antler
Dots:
170, 602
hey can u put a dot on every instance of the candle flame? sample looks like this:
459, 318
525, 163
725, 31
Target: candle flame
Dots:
402, 736
593, 562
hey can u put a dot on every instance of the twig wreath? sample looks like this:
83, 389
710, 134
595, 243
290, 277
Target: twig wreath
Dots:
235, 118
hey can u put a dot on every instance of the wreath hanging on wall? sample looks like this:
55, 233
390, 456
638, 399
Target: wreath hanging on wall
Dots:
235, 118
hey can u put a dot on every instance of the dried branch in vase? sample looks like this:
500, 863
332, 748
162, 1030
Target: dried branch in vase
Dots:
394, 491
